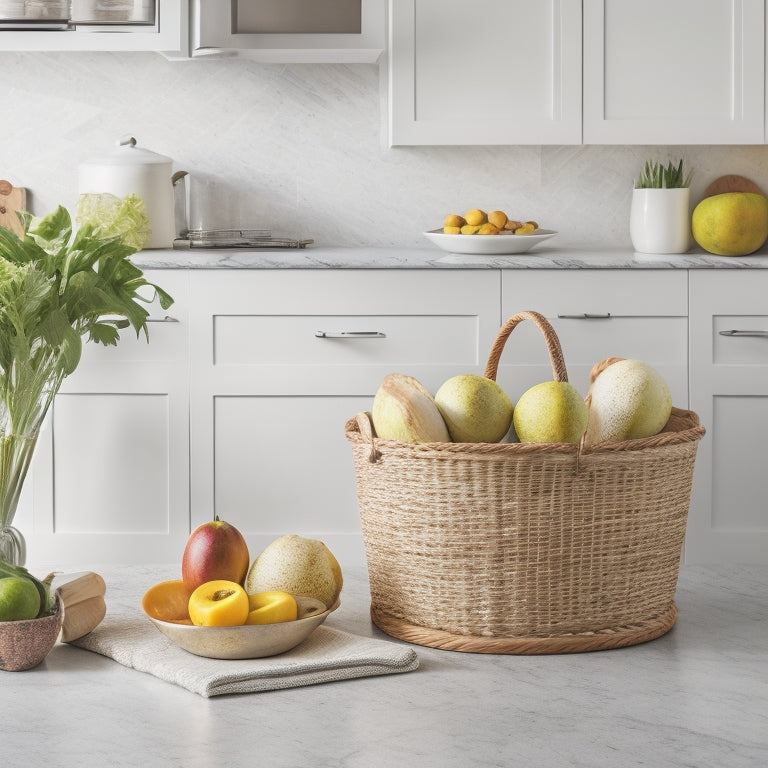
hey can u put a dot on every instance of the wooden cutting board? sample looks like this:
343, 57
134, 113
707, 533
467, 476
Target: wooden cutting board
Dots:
732, 183
12, 199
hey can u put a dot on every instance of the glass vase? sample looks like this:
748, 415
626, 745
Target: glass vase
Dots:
22, 413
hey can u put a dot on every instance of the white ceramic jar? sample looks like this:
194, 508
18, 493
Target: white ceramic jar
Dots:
660, 220
133, 170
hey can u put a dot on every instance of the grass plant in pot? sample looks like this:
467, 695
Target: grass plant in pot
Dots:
59, 286
660, 217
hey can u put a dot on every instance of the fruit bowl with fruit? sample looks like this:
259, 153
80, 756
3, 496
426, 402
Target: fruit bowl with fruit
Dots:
487, 234
233, 641
221, 608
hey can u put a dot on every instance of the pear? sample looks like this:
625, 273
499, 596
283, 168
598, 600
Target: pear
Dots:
629, 399
475, 409
403, 409
550, 412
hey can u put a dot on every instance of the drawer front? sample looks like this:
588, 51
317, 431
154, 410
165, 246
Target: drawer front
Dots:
340, 332
321, 340
575, 293
740, 340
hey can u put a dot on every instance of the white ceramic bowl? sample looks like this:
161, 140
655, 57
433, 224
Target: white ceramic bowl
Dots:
488, 245
250, 641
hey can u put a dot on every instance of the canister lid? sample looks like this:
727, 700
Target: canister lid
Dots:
128, 153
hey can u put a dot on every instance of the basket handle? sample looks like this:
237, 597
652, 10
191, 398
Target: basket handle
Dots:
559, 371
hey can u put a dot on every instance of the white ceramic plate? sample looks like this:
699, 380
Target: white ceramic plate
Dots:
488, 245
251, 641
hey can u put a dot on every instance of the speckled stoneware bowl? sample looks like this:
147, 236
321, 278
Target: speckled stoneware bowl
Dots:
24, 644
250, 641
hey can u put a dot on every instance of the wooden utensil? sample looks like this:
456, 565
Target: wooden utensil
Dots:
82, 596
12, 199
732, 183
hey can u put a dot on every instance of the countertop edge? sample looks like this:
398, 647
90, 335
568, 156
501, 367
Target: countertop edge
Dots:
541, 257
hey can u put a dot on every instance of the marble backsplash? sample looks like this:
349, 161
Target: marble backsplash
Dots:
298, 149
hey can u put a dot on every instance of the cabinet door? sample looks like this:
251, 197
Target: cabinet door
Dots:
282, 359
597, 314
168, 35
729, 391
110, 476
485, 72
687, 72
301, 31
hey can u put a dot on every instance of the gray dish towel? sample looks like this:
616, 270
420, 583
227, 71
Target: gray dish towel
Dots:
325, 656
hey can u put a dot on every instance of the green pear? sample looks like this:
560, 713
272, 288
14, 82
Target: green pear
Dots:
629, 399
550, 412
475, 409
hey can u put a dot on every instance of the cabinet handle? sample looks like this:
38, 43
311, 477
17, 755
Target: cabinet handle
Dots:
761, 334
166, 319
350, 335
586, 316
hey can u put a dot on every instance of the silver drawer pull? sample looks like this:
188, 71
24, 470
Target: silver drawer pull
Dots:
761, 334
166, 319
350, 335
586, 316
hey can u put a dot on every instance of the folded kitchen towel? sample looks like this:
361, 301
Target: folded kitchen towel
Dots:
325, 656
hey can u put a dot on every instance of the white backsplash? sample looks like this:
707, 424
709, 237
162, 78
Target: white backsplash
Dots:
298, 149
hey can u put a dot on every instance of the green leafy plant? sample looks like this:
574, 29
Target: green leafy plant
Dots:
656, 176
57, 287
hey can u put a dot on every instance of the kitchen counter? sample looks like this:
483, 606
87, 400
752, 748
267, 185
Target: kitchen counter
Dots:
540, 257
696, 697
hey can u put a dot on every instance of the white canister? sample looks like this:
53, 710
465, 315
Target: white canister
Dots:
660, 220
133, 170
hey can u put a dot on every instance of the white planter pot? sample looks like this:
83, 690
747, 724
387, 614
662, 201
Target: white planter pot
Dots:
660, 220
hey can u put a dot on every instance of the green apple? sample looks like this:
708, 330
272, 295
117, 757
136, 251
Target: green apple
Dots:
19, 599
550, 412
475, 409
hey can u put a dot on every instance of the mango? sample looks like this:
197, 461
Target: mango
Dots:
731, 224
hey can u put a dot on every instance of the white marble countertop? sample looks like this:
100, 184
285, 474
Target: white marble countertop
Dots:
540, 257
694, 698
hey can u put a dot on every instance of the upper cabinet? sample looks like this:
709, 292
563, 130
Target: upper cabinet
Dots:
656, 72
167, 33
484, 73
683, 72
300, 31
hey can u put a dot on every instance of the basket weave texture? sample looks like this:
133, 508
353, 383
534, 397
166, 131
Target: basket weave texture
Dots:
524, 547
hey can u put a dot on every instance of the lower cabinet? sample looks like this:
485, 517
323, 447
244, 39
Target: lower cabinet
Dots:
282, 359
237, 405
729, 391
110, 476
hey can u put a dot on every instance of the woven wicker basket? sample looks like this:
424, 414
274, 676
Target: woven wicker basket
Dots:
525, 548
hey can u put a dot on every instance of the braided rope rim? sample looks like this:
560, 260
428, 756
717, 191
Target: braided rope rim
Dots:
528, 646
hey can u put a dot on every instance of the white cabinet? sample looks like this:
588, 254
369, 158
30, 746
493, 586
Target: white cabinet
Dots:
597, 314
281, 359
110, 476
169, 34
729, 391
685, 72
300, 31
485, 72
